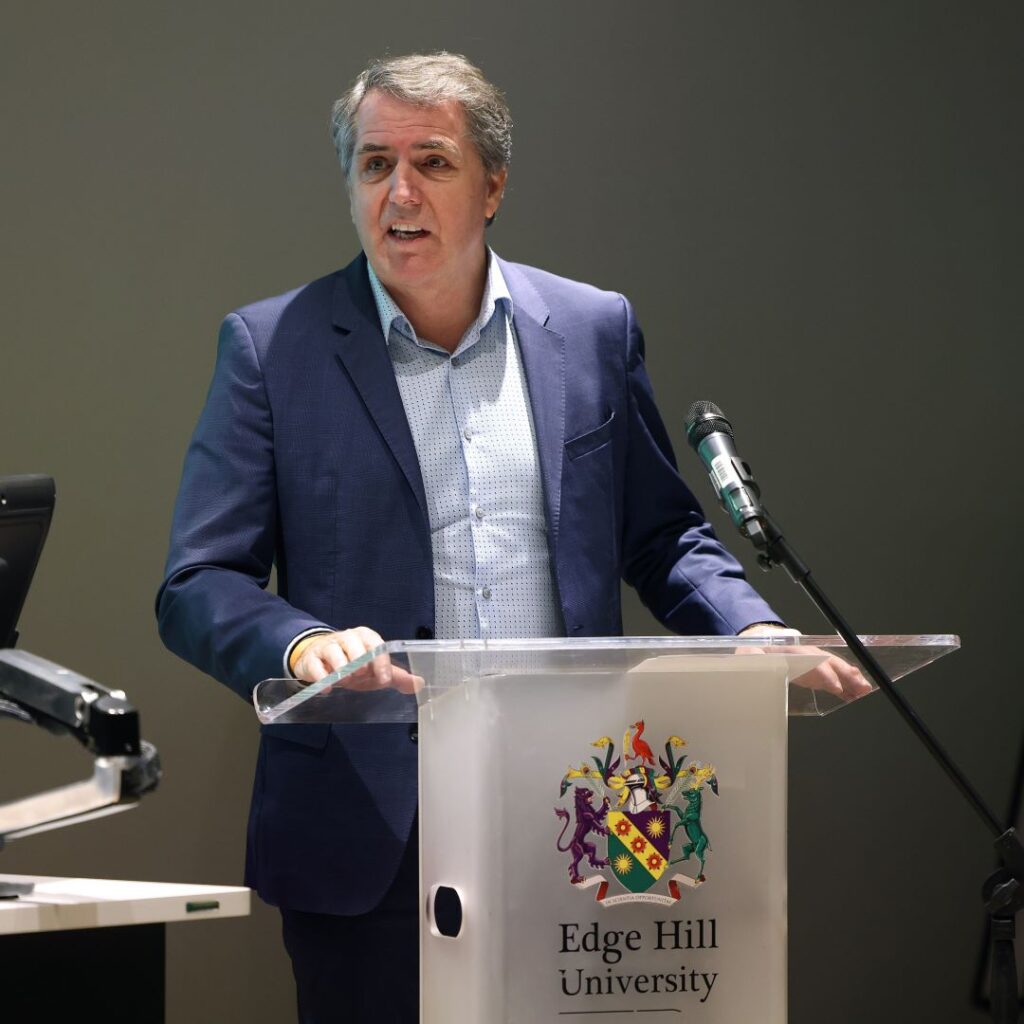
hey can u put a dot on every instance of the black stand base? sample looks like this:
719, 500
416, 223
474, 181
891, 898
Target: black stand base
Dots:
114, 975
1000, 891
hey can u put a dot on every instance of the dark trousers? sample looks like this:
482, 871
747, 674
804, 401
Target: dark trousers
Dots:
363, 969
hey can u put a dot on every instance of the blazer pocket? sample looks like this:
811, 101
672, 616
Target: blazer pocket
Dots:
583, 444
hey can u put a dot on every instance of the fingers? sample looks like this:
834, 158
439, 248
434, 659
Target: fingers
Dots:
835, 676
366, 678
851, 679
328, 653
821, 677
381, 664
405, 682
829, 679
331, 655
315, 660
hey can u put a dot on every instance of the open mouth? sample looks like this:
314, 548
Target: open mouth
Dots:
406, 232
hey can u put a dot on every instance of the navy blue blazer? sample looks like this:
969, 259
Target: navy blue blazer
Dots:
303, 459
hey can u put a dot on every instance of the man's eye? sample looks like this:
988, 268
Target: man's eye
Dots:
375, 164
436, 161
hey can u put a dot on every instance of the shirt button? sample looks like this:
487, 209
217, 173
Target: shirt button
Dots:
468, 434
456, 361
478, 512
485, 593
414, 733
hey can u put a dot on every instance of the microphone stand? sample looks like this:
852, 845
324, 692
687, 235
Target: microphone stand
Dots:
1003, 891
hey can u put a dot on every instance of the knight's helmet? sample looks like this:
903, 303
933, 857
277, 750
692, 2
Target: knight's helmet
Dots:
639, 781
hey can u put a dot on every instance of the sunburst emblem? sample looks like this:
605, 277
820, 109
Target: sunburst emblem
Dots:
656, 827
623, 864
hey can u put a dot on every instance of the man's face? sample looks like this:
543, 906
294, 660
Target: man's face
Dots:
419, 194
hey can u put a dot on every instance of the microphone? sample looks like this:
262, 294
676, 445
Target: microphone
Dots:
710, 436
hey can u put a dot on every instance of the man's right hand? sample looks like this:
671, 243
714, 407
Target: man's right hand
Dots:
323, 654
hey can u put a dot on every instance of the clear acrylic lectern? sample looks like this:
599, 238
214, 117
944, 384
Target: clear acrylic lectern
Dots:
606, 818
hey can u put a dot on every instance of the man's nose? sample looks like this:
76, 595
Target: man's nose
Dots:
403, 187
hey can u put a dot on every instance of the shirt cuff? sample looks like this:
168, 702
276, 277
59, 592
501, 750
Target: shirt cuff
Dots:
772, 629
288, 673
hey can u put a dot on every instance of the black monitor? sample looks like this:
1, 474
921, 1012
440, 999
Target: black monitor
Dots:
26, 505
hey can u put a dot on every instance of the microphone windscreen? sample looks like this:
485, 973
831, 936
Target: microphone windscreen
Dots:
705, 418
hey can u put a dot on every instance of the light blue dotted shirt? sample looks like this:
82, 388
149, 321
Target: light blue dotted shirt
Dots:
469, 414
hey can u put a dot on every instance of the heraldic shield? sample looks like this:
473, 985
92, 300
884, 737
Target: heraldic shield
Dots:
638, 847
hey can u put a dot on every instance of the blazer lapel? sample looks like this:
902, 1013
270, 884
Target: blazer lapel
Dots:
363, 353
543, 354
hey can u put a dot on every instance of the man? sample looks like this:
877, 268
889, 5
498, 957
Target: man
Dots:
430, 442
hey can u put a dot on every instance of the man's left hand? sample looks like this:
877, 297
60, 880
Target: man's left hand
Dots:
833, 675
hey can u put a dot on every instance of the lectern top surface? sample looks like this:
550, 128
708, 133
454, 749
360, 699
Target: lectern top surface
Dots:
424, 671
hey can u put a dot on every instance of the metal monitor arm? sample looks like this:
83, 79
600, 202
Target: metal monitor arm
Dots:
34, 690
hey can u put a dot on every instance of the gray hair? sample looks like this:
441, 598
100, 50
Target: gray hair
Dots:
427, 80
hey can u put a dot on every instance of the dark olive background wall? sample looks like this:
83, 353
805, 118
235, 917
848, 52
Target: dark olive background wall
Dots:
816, 209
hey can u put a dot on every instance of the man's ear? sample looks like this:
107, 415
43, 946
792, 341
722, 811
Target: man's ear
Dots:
495, 192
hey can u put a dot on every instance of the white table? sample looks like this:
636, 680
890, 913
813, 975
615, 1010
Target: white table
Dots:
93, 948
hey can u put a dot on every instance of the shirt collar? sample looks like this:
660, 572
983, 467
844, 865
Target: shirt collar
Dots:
495, 292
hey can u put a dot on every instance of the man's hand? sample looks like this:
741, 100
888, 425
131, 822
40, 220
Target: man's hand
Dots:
834, 675
323, 654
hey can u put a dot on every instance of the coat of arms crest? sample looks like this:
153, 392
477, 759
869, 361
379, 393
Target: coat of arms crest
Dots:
655, 821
